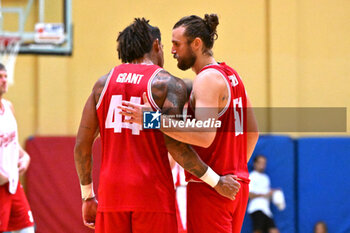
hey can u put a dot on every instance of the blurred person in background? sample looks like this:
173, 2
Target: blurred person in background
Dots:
320, 227
260, 195
15, 213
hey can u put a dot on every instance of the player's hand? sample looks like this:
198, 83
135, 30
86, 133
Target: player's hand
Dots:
228, 186
269, 194
23, 163
134, 112
89, 210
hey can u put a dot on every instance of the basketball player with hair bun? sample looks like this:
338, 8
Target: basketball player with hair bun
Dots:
218, 92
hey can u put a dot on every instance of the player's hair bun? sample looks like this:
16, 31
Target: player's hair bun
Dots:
212, 21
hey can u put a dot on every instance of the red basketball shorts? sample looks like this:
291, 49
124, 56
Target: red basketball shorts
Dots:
209, 212
15, 213
135, 222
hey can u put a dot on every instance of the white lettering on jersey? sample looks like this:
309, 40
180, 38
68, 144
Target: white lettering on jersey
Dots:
30, 215
129, 78
238, 111
233, 80
6, 139
114, 119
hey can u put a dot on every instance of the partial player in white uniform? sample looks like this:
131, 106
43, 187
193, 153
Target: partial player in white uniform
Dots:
15, 213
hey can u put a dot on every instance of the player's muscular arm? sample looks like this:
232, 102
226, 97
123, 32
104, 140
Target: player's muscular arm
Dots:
184, 155
207, 89
254, 195
83, 159
170, 93
87, 133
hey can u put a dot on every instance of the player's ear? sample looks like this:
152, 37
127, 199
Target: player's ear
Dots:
156, 45
197, 44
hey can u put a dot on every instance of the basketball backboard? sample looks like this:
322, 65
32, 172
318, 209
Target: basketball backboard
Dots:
44, 26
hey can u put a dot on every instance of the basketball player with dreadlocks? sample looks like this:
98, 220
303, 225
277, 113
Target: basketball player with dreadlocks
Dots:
218, 93
136, 193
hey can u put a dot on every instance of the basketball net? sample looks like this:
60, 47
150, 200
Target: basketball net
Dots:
9, 47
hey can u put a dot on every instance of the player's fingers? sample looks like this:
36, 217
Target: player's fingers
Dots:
131, 120
233, 176
236, 183
230, 193
126, 103
124, 113
127, 109
144, 96
92, 226
89, 224
130, 104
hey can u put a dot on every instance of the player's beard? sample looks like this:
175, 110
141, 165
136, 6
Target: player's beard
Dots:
187, 61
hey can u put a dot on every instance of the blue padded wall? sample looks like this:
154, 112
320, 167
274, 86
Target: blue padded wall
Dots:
324, 183
280, 154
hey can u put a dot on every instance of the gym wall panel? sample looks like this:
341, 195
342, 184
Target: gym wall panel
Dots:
53, 188
324, 187
24, 97
279, 151
283, 48
324, 53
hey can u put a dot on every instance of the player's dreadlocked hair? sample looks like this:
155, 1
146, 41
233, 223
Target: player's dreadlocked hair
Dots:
202, 28
2, 67
136, 40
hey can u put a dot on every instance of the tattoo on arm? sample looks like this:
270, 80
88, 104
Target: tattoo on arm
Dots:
85, 127
83, 165
170, 95
184, 155
169, 92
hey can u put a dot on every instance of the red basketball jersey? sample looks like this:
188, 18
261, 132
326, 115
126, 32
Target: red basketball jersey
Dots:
228, 152
135, 172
